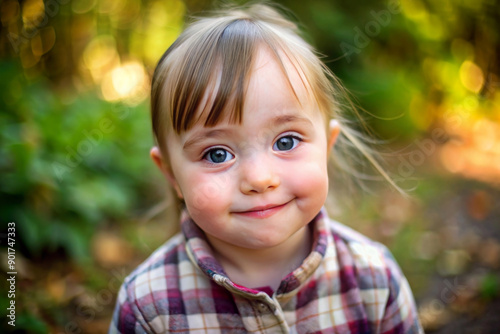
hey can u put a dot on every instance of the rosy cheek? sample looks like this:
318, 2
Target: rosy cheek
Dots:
311, 181
207, 193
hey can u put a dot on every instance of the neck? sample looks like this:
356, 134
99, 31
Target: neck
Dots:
255, 268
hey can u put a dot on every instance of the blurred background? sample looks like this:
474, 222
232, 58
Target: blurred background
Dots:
88, 204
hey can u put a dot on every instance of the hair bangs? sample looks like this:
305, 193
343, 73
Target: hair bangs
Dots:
216, 72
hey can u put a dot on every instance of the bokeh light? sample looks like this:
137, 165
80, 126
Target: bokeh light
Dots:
127, 82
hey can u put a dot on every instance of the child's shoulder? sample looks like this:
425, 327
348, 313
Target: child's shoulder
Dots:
363, 252
166, 258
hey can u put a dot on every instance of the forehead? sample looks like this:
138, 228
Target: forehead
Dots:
277, 82
273, 79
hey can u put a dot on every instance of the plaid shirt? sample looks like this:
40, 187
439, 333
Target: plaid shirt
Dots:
348, 284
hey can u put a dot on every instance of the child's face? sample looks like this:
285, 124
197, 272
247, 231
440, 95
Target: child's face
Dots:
259, 183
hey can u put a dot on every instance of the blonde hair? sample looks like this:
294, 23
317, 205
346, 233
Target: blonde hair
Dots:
225, 45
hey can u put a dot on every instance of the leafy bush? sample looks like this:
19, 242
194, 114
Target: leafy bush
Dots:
69, 163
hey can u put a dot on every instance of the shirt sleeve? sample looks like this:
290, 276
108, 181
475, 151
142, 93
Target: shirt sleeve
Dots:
124, 319
400, 315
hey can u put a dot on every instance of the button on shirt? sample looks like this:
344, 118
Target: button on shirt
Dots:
347, 284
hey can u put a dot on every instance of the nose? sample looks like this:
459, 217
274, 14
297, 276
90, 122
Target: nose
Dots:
258, 176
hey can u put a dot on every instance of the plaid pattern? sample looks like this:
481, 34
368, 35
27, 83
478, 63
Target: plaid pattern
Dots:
348, 284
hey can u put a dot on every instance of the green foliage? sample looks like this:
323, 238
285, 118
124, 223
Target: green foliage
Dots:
68, 163
28, 323
490, 286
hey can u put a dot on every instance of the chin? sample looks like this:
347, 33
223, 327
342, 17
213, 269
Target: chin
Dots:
262, 240
274, 239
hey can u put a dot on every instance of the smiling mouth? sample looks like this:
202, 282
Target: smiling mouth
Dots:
262, 211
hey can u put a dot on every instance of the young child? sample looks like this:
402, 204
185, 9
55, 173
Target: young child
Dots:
244, 116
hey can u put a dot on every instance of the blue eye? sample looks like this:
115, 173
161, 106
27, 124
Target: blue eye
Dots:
286, 143
218, 155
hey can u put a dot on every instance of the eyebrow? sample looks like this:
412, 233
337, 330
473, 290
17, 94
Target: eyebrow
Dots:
217, 133
283, 119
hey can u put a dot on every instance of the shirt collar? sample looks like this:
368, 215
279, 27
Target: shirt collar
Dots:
200, 253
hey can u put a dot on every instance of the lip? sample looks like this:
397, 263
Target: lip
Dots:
262, 211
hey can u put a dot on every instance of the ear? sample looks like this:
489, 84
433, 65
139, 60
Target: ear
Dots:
157, 158
333, 133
